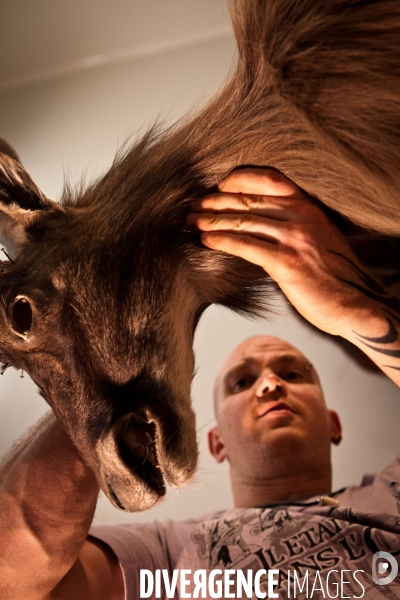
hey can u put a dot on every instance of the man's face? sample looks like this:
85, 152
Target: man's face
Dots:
270, 405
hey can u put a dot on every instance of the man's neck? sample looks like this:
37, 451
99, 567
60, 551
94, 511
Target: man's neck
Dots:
290, 488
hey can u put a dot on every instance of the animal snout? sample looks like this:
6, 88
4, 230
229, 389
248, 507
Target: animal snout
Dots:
131, 475
150, 440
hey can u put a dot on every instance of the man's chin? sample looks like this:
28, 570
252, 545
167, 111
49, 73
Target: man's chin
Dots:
283, 439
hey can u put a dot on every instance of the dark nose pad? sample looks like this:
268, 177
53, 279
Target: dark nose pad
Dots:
135, 440
138, 437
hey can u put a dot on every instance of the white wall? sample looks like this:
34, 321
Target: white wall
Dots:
73, 124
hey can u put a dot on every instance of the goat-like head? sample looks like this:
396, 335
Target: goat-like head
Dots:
99, 304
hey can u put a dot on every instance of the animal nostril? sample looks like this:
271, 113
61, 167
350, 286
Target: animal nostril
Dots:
21, 315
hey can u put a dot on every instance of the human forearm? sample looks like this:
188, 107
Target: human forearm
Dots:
375, 326
47, 501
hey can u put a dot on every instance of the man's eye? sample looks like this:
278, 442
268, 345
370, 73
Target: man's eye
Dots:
241, 384
292, 375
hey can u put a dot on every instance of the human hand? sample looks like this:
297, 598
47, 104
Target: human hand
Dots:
263, 217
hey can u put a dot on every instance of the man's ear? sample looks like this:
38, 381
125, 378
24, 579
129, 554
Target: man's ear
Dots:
336, 428
216, 445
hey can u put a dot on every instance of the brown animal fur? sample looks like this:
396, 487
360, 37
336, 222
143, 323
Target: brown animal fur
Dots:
107, 287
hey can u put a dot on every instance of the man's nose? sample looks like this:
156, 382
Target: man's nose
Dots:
270, 385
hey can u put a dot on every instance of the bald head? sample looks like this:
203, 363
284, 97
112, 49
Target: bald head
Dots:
242, 355
272, 423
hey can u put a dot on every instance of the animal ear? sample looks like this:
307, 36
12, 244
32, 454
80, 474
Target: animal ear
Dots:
21, 201
17, 190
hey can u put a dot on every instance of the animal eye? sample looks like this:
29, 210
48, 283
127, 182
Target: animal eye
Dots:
21, 315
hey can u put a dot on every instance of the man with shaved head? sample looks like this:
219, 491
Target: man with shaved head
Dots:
272, 416
289, 535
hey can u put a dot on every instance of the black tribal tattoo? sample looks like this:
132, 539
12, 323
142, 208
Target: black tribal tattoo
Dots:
371, 288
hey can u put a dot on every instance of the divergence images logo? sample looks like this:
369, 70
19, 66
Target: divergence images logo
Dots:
385, 561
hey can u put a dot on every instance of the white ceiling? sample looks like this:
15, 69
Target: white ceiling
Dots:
41, 39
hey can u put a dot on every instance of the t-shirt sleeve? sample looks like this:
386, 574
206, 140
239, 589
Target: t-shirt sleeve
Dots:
136, 547
378, 492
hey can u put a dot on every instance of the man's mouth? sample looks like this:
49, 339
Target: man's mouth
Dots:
274, 407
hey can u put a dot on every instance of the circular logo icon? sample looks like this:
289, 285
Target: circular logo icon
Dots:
387, 564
